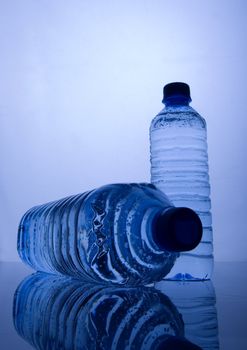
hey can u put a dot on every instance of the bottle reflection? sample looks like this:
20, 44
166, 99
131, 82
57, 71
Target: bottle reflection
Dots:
196, 301
57, 312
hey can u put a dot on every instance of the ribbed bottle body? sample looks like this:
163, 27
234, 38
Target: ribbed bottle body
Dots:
179, 167
103, 235
59, 312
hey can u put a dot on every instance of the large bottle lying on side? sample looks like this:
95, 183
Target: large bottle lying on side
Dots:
120, 233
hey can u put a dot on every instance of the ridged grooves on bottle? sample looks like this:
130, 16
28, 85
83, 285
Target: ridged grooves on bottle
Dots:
53, 312
103, 234
179, 167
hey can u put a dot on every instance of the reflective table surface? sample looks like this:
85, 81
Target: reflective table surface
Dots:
55, 312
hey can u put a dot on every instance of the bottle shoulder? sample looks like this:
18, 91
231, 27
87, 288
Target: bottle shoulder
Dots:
181, 115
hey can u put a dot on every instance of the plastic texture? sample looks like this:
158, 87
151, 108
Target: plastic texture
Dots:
179, 168
106, 235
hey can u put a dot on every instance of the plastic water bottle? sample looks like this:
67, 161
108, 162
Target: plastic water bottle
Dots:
58, 312
197, 304
120, 233
179, 167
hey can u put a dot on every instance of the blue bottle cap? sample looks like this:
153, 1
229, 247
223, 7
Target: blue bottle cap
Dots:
178, 229
176, 90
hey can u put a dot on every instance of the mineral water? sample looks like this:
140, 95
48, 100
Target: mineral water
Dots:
120, 233
179, 167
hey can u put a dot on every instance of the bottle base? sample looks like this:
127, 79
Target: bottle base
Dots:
186, 277
190, 267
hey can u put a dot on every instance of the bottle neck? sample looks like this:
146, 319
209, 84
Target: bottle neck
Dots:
176, 101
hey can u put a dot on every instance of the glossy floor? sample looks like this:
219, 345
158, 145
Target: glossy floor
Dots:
214, 313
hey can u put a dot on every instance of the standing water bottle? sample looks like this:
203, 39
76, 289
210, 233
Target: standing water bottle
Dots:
120, 233
179, 167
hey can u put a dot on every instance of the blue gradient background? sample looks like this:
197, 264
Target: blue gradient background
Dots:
80, 82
